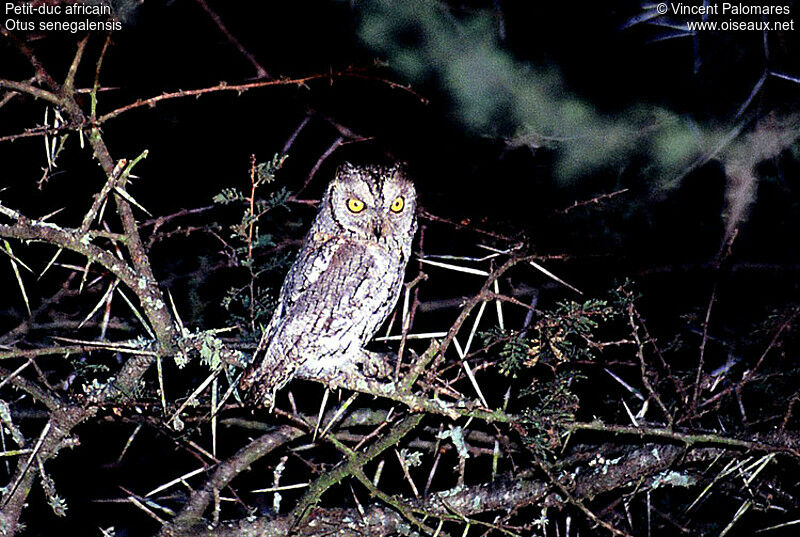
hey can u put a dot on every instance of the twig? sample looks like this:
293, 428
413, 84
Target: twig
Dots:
295, 133
643, 366
238, 88
690, 439
41, 74
424, 361
355, 462
467, 226
577, 503
328, 152
260, 71
201, 498
701, 359
24, 87
596, 199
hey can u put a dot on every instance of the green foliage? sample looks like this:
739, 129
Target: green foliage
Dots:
212, 350
515, 348
562, 335
456, 435
228, 195
569, 332
90, 376
552, 405
266, 170
265, 174
209, 350
86, 369
624, 295
241, 308
250, 305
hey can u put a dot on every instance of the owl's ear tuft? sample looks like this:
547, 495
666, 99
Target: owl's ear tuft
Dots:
346, 168
397, 169
401, 167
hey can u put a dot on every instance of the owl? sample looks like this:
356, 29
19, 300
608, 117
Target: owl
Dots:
344, 283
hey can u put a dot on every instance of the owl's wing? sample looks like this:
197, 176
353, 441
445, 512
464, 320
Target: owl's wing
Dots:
311, 264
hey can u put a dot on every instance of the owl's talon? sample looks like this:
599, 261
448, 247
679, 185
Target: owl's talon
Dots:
377, 366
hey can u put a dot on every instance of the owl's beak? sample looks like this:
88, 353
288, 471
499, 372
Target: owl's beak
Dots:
378, 229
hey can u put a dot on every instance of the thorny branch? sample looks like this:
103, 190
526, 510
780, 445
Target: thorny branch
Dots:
507, 493
418, 411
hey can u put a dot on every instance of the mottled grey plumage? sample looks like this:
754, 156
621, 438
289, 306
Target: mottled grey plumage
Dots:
343, 284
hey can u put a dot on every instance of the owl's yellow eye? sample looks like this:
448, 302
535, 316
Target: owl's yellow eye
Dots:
398, 204
355, 205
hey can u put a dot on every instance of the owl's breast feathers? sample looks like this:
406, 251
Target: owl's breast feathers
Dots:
331, 291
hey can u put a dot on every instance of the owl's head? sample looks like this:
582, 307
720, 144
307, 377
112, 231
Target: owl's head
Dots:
375, 203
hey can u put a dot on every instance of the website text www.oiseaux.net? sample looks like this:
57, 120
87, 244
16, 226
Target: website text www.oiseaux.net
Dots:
737, 17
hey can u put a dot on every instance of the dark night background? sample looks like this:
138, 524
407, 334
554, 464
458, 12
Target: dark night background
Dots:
665, 232
198, 146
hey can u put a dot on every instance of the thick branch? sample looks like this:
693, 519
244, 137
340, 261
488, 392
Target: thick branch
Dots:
60, 425
642, 467
192, 512
39, 93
